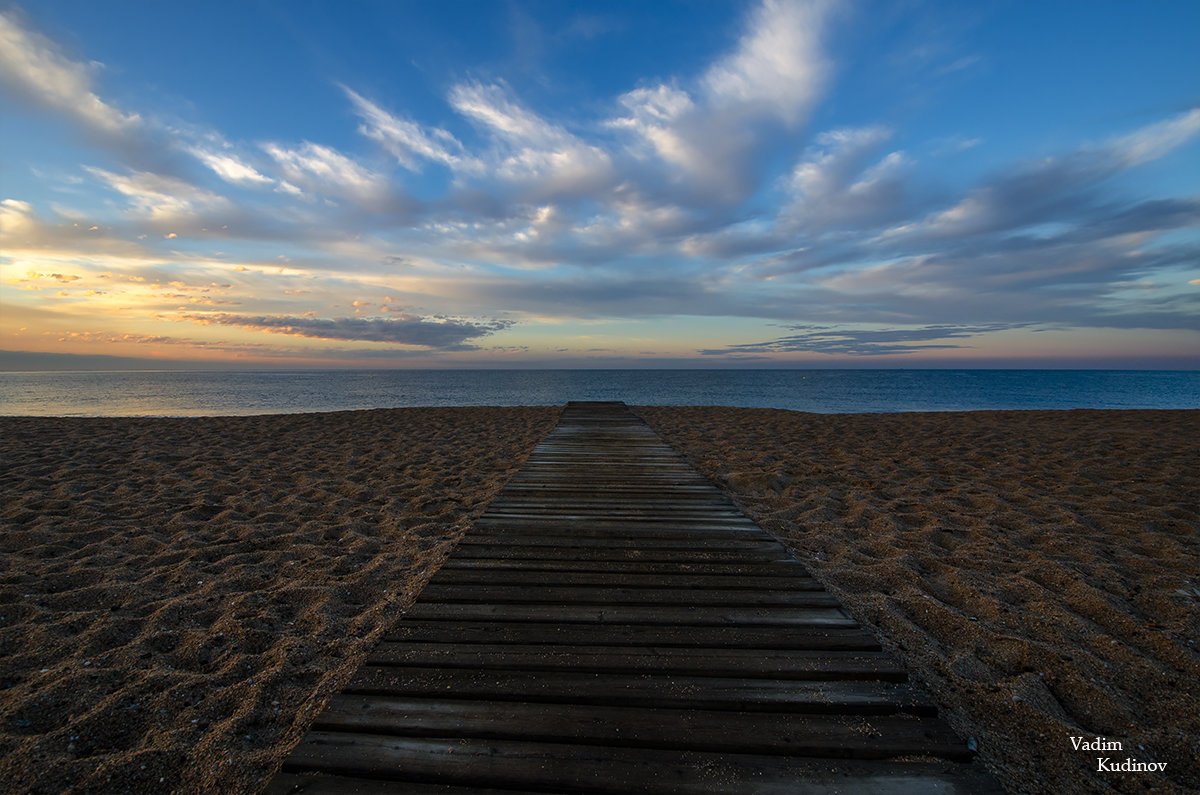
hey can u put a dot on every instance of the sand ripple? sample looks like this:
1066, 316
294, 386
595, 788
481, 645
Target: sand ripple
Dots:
178, 597
1040, 571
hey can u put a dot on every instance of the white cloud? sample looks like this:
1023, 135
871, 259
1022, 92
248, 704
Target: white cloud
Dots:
161, 198
230, 169
542, 158
406, 140
1156, 140
325, 170
708, 138
494, 108
975, 213
830, 164
34, 67
779, 66
656, 113
16, 218
833, 183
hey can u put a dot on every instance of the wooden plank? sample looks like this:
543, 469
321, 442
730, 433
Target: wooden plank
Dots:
566, 532
524, 593
572, 767
624, 580
565, 521
860, 736
315, 782
521, 484
821, 665
727, 637
771, 568
618, 509
835, 696
530, 496
616, 541
708, 616
502, 551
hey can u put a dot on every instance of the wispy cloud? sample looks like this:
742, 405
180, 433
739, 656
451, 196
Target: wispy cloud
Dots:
327, 171
37, 69
861, 342
405, 329
779, 67
231, 169
160, 198
542, 159
406, 140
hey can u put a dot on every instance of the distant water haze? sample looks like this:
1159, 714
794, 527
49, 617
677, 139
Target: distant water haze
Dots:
821, 391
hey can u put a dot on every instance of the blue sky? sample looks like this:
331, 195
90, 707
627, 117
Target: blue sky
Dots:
862, 184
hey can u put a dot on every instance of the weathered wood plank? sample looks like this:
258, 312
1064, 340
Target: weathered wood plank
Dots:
571, 767
624, 580
770, 568
834, 696
620, 554
316, 782
751, 663
568, 531
526, 593
563, 522
686, 615
860, 736
726, 637
618, 542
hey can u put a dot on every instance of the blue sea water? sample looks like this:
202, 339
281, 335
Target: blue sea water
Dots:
162, 393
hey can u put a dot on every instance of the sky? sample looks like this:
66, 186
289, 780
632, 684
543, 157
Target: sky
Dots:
291, 183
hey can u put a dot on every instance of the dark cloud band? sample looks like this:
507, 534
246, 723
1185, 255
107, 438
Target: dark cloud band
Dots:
437, 334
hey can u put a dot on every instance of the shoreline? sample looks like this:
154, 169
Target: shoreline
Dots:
179, 595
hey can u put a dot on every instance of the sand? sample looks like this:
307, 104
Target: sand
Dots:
1038, 572
179, 597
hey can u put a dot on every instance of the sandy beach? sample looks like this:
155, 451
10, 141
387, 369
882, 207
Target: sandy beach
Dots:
1038, 572
178, 597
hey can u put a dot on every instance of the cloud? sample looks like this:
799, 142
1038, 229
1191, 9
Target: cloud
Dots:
860, 342
406, 329
23, 233
406, 140
710, 138
325, 170
1154, 140
37, 70
231, 169
16, 218
779, 67
161, 198
543, 160
658, 116
835, 183
1053, 189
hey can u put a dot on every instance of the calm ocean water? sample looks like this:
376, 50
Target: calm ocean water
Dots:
823, 391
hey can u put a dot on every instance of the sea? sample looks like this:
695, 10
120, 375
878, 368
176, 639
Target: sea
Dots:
189, 394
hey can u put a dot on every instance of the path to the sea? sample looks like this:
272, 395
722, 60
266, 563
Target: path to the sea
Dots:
614, 623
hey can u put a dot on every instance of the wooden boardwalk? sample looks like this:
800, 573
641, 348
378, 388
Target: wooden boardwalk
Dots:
614, 623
